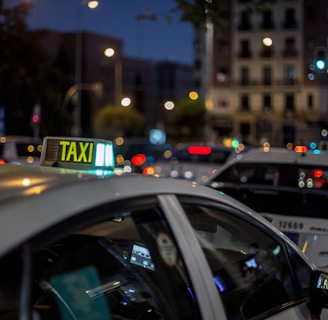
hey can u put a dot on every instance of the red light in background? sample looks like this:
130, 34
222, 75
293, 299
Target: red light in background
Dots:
199, 150
317, 173
300, 148
138, 159
2, 161
35, 118
148, 170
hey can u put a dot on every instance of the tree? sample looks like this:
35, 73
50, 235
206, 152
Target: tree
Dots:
21, 59
199, 12
58, 77
186, 122
111, 122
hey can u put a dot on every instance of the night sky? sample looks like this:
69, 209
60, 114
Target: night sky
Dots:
166, 38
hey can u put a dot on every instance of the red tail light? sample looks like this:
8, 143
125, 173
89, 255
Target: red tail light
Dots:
199, 150
300, 148
138, 159
149, 170
317, 173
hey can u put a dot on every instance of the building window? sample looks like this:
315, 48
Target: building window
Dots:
290, 19
267, 105
289, 102
310, 13
290, 48
245, 51
244, 76
244, 23
267, 21
288, 134
267, 75
289, 75
223, 46
244, 103
245, 130
310, 101
310, 43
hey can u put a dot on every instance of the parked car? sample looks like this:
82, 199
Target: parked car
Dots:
78, 241
287, 187
20, 149
195, 162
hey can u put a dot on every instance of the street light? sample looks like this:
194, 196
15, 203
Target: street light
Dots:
92, 4
109, 53
169, 105
97, 87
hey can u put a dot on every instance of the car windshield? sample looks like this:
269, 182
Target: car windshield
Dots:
286, 175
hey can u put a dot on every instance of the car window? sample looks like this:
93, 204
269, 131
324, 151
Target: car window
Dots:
283, 175
127, 268
250, 173
249, 267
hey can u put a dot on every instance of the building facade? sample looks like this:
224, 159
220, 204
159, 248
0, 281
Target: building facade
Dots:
263, 83
104, 81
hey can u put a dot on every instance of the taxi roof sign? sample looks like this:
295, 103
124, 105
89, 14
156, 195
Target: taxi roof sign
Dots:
77, 153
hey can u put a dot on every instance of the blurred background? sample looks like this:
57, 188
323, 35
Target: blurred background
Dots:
166, 71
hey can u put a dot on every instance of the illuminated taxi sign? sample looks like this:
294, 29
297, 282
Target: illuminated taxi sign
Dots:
77, 153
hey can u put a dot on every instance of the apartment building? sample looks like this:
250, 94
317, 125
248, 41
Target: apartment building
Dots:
104, 81
263, 84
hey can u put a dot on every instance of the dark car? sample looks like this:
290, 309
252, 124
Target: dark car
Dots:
194, 162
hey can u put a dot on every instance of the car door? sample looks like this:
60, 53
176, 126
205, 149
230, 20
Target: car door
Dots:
116, 261
257, 274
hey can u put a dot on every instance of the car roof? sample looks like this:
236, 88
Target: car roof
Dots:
35, 198
275, 155
20, 139
282, 155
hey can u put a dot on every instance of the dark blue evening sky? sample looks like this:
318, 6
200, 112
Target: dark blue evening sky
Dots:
154, 40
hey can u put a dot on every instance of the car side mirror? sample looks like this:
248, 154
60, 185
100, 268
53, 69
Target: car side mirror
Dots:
318, 295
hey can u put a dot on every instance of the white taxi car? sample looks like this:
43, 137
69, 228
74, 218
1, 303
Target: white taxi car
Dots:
80, 242
289, 187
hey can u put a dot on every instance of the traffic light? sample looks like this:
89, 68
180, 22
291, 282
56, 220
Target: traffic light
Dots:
320, 59
35, 118
36, 115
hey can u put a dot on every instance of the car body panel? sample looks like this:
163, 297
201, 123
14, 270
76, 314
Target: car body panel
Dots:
21, 192
285, 190
33, 199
